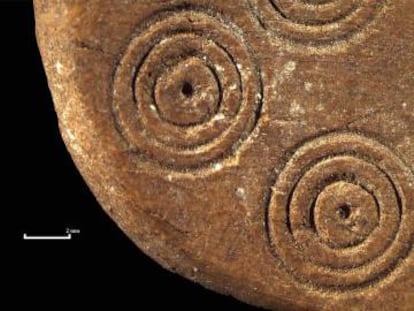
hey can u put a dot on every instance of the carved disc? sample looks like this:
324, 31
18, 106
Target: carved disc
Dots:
262, 148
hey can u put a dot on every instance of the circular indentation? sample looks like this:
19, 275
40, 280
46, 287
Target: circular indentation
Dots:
188, 94
317, 23
344, 211
341, 213
187, 91
345, 214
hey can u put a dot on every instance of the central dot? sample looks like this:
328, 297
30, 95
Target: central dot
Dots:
345, 214
187, 89
188, 94
344, 211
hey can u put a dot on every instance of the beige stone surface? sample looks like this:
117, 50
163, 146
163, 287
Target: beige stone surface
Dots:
262, 148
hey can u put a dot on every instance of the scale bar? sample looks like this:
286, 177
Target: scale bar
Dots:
63, 237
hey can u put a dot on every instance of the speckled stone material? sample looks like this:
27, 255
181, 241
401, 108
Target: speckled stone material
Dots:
262, 148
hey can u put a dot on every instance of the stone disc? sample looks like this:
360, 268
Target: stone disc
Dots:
262, 148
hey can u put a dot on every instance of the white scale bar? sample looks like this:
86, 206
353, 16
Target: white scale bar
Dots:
64, 237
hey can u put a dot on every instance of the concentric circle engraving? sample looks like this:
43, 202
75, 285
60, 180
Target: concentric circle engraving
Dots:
315, 23
341, 212
187, 91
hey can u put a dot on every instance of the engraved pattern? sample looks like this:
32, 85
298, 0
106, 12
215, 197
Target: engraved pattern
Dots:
317, 23
187, 91
204, 97
341, 212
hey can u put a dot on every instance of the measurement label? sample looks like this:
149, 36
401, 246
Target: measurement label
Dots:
68, 236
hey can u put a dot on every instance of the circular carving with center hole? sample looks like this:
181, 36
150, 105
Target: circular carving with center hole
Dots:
340, 212
187, 91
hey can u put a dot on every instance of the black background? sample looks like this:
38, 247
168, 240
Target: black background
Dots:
48, 195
